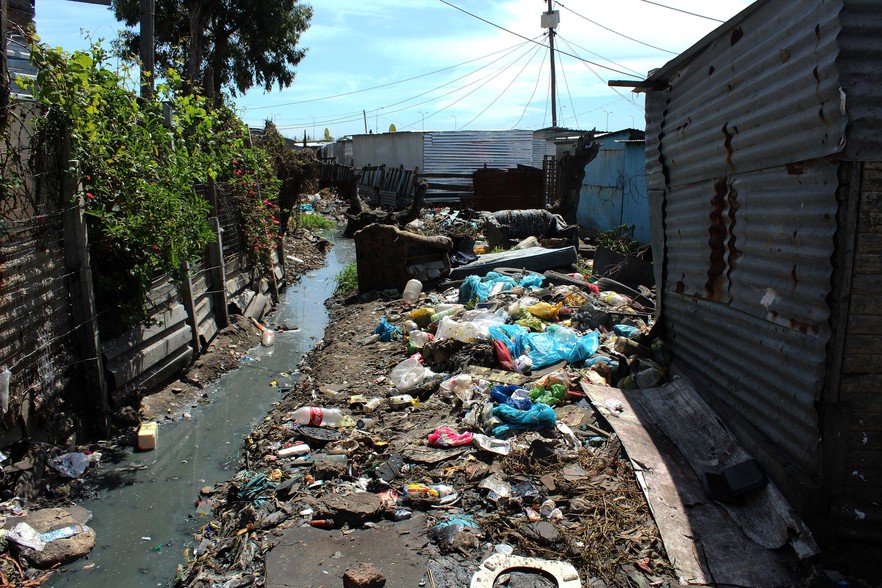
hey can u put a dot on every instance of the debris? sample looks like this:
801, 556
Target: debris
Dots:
148, 434
491, 568
364, 575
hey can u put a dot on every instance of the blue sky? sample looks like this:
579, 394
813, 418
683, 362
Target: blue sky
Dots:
354, 45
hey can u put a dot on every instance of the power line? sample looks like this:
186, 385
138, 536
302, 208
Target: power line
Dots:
537, 42
683, 11
569, 95
571, 44
387, 84
357, 116
597, 75
461, 98
530, 100
613, 31
504, 90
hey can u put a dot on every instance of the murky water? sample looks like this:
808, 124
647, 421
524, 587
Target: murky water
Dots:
145, 518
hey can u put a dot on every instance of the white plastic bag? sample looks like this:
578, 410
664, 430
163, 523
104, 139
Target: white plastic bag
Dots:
70, 465
451, 329
409, 374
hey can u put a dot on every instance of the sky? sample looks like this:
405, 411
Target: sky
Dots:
424, 65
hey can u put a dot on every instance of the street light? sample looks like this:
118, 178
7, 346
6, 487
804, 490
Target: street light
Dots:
454, 121
423, 122
313, 127
377, 119
607, 120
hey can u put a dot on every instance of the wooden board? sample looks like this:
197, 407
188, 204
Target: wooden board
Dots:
704, 544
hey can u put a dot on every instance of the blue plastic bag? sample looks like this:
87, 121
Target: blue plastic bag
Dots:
539, 417
475, 287
626, 330
502, 395
511, 336
558, 343
386, 331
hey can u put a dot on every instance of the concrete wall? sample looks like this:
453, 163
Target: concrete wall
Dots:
389, 149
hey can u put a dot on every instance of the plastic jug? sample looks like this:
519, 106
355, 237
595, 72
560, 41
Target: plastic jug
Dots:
412, 291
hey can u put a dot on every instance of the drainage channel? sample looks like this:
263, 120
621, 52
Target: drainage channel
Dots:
145, 514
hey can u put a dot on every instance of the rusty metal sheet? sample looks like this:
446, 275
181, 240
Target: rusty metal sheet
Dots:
761, 90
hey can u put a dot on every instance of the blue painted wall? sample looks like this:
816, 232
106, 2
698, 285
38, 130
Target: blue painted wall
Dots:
614, 188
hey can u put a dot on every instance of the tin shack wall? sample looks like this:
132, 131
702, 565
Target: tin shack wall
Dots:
744, 213
614, 189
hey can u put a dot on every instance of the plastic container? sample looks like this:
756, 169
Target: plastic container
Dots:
373, 404
412, 291
268, 338
318, 416
294, 450
420, 338
401, 400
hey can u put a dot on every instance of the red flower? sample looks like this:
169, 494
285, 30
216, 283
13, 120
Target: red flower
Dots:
156, 248
90, 196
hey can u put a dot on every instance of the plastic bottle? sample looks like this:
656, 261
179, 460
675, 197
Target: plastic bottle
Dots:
373, 404
294, 450
440, 314
268, 338
401, 400
420, 338
318, 416
412, 291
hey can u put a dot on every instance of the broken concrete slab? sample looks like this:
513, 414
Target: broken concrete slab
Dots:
536, 259
303, 557
59, 551
354, 508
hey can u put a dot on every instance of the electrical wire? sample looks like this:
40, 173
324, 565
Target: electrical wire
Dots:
598, 76
530, 100
614, 32
358, 115
683, 11
460, 99
383, 85
473, 15
569, 95
504, 90
485, 80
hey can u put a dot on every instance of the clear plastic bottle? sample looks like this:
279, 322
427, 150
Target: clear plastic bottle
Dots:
412, 291
268, 338
318, 416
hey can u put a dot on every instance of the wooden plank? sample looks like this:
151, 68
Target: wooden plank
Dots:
127, 367
217, 270
862, 364
863, 344
190, 305
82, 296
764, 515
168, 320
702, 543
866, 304
162, 371
864, 324
236, 285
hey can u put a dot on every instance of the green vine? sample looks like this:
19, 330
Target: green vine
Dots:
139, 161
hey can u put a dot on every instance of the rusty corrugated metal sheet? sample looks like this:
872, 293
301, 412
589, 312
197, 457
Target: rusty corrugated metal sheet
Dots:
762, 90
461, 152
744, 209
859, 57
36, 331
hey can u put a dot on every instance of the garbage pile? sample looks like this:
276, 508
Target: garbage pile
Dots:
463, 408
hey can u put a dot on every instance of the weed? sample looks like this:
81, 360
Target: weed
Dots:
347, 280
315, 221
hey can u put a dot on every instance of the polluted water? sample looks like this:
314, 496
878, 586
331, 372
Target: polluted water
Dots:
145, 511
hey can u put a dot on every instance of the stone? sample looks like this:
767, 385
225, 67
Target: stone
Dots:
364, 575
328, 470
60, 551
542, 532
354, 509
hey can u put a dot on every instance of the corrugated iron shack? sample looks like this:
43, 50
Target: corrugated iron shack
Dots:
614, 189
764, 169
446, 159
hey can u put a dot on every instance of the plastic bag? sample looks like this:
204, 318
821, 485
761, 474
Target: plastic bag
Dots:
545, 311
522, 364
70, 465
409, 374
539, 417
444, 436
503, 355
627, 331
552, 396
559, 343
25, 535
493, 283
505, 395
386, 331
511, 336
458, 331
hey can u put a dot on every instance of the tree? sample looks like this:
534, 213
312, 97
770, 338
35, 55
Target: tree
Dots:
225, 44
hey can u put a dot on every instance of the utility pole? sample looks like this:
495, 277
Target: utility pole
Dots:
550, 20
364, 113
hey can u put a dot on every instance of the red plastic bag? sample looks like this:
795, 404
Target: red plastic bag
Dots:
504, 355
444, 436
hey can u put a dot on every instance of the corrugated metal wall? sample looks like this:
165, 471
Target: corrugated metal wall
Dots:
459, 152
746, 210
614, 190
37, 343
859, 57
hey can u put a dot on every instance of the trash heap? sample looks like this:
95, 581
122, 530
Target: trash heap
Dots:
464, 409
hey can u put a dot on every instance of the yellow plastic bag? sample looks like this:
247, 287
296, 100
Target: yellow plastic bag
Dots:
545, 311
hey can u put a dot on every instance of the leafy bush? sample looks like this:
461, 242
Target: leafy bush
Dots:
315, 221
619, 239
